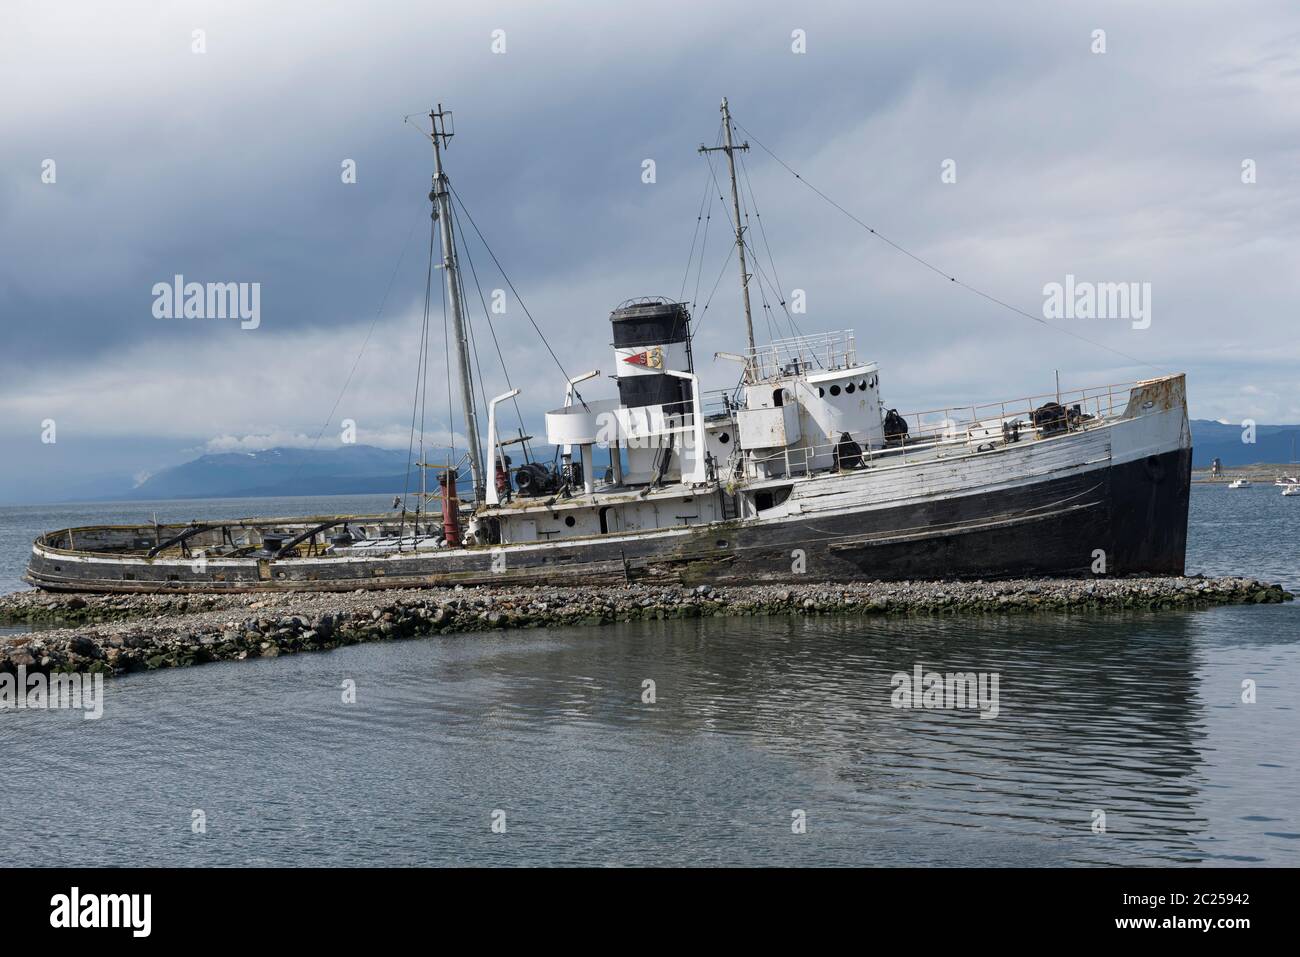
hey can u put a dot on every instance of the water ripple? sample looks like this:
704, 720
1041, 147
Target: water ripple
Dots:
1136, 717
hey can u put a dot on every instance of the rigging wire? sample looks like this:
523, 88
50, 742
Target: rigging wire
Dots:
451, 403
935, 269
700, 319
690, 258
495, 342
707, 197
778, 289
699, 270
767, 309
765, 283
478, 366
735, 227
577, 395
422, 461
421, 380
740, 238
762, 277
473, 340
383, 301
469, 328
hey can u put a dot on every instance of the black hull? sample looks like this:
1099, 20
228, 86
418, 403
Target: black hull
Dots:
1135, 514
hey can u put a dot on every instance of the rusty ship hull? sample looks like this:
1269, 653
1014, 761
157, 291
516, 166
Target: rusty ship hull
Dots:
1107, 499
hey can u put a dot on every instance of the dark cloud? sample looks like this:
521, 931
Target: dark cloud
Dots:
225, 167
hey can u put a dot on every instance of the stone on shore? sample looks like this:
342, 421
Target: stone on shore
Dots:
116, 634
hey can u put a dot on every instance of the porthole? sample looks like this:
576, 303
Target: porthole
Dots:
863, 385
835, 390
722, 543
821, 393
724, 438
850, 388
570, 521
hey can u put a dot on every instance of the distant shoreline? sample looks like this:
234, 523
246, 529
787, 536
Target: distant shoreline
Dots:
1259, 472
147, 502
1255, 472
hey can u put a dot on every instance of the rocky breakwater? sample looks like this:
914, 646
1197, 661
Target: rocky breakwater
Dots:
52, 608
120, 634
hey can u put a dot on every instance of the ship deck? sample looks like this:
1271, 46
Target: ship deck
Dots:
259, 552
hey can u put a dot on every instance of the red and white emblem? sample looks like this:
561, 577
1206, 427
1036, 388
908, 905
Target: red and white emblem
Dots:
651, 358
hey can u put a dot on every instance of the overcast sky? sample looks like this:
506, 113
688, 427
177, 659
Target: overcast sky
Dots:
225, 166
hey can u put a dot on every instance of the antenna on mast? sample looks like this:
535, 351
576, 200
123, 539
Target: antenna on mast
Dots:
730, 149
440, 195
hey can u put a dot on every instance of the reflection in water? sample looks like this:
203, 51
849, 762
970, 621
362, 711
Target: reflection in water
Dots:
1138, 716
1093, 714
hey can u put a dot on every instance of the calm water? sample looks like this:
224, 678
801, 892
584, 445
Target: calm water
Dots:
1138, 716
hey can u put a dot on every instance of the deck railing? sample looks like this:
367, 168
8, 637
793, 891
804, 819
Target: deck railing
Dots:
801, 355
1100, 402
719, 402
974, 426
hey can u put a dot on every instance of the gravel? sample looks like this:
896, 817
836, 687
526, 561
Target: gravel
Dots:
116, 634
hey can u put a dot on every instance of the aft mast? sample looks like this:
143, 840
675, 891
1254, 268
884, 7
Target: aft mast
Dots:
730, 149
441, 196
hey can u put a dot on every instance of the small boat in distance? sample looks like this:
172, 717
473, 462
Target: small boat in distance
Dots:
1239, 483
1292, 489
1284, 481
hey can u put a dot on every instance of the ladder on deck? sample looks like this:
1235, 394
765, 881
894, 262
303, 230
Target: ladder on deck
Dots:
728, 505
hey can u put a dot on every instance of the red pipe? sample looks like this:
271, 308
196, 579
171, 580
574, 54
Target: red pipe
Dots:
450, 507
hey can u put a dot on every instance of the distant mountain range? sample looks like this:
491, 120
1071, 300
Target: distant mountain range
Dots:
364, 469
1274, 444
349, 470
